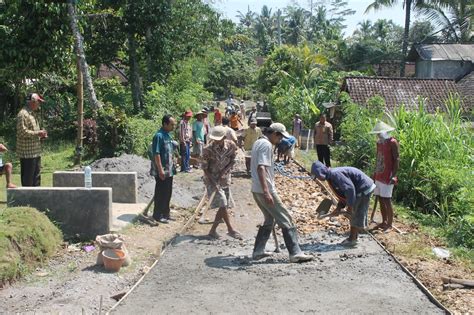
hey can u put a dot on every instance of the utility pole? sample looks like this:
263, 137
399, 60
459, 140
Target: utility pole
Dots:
80, 113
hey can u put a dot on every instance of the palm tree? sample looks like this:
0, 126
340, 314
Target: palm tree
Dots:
454, 18
408, 5
295, 24
364, 30
247, 18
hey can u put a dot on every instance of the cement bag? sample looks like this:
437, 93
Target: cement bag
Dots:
113, 241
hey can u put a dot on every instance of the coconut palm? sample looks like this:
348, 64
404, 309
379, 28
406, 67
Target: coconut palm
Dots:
295, 25
247, 18
454, 18
408, 5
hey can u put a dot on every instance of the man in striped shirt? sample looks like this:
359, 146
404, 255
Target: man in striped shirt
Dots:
185, 138
28, 141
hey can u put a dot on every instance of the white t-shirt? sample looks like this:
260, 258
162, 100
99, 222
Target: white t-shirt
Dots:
262, 154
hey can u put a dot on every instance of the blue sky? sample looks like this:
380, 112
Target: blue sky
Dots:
230, 7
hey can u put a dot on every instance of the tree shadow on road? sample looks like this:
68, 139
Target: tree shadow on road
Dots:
234, 263
321, 247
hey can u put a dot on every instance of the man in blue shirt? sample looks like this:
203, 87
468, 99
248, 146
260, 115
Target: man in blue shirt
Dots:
163, 147
353, 189
286, 149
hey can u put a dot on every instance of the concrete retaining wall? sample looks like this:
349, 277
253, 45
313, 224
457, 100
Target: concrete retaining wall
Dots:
123, 184
80, 212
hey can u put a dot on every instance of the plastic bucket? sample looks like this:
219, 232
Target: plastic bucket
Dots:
113, 259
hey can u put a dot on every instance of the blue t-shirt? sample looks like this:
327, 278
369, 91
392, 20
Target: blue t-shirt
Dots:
198, 130
286, 143
163, 145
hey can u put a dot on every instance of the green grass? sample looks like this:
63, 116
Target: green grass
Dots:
27, 238
55, 157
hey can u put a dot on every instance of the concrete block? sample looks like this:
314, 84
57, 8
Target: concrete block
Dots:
77, 211
123, 184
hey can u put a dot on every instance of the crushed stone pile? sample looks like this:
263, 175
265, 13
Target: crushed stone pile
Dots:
130, 163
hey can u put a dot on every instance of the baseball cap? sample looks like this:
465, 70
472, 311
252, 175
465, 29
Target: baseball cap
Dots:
278, 127
35, 97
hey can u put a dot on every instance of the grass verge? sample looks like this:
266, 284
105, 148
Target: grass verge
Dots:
27, 238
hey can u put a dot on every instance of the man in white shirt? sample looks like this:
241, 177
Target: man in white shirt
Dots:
267, 199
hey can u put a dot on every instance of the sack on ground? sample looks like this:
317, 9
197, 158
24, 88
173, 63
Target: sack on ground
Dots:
111, 241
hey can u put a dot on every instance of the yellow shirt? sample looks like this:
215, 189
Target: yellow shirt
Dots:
250, 136
28, 144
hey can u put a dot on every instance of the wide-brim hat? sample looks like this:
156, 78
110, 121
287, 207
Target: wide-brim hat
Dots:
217, 133
278, 127
380, 127
203, 113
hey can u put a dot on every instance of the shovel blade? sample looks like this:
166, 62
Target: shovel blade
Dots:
324, 207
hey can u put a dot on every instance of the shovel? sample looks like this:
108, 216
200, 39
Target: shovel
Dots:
324, 207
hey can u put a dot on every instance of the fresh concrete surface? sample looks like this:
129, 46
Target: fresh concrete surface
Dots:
80, 212
124, 213
123, 184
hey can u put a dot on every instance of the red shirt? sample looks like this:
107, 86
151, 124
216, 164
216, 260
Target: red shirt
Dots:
385, 160
217, 118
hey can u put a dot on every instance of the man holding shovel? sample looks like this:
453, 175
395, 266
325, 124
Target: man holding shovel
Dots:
353, 189
217, 160
386, 168
265, 195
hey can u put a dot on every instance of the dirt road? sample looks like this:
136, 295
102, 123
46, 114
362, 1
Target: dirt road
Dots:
197, 275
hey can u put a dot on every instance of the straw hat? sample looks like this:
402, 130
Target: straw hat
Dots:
217, 133
380, 127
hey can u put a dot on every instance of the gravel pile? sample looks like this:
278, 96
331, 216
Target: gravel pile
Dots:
130, 163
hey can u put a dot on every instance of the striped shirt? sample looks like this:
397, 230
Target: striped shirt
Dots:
28, 144
216, 159
185, 131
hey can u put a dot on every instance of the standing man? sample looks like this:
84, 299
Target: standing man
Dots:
323, 137
185, 138
217, 117
253, 114
163, 148
217, 161
199, 133
386, 167
249, 136
353, 189
242, 109
28, 141
265, 195
297, 127
229, 132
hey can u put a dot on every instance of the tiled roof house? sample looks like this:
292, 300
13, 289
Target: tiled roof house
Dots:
397, 91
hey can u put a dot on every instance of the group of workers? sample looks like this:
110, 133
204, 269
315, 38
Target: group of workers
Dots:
352, 187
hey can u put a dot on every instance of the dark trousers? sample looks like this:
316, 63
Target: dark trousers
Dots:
324, 155
185, 156
30, 172
163, 191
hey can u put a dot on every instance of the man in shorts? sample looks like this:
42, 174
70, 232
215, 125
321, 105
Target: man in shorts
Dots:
353, 189
385, 176
265, 195
218, 158
6, 168
286, 149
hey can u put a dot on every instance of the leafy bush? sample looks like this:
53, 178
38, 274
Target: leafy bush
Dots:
91, 141
110, 90
141, 134
113, 132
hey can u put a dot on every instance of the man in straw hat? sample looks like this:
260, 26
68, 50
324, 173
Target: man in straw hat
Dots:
217, 160
353, 189
265, 195
385, 175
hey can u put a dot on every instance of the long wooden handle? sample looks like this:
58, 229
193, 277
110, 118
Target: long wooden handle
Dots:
375, 207
208, 204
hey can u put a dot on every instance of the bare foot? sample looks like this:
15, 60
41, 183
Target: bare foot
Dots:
11, 186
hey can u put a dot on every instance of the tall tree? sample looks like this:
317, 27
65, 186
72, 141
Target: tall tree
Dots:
454, 18
408, 5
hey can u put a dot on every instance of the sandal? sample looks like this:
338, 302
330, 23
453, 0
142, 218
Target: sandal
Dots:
235, 235
215, 236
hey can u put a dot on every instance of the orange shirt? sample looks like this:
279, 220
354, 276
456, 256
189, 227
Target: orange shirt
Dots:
234, 121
